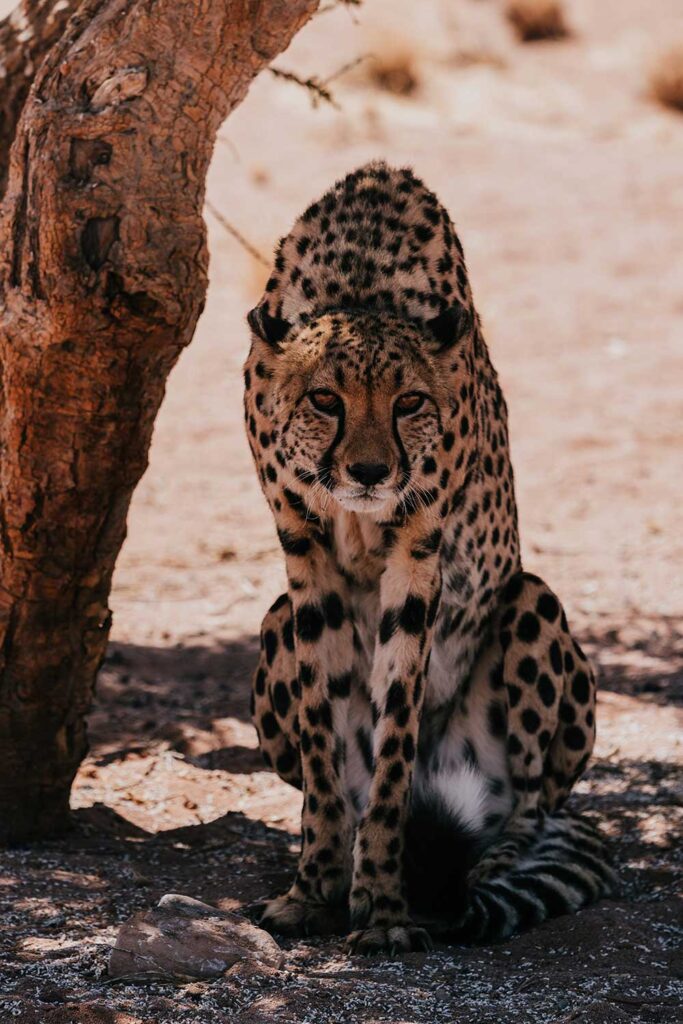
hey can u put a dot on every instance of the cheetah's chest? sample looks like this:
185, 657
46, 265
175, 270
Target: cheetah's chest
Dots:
359, 550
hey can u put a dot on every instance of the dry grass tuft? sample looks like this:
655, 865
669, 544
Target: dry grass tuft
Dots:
477, 57
666, 78
534, 20
395, 72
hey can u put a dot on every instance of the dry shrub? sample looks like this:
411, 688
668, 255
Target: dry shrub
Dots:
666, 78
394, 71
533, 20
259, 175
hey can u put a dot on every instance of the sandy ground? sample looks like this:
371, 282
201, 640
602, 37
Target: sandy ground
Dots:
565, 182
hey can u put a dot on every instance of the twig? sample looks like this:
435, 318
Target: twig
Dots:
237, 235
317, 87
314, 86
231, 146
525, 984
349, 66
348, 4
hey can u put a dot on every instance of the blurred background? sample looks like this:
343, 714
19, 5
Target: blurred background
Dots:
553, 132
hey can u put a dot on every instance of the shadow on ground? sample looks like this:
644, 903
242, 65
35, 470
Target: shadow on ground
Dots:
187, 698
172, 722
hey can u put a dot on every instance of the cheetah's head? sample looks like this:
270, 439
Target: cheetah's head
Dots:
361, 403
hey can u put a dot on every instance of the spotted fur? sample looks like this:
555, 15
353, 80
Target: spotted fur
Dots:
422, 690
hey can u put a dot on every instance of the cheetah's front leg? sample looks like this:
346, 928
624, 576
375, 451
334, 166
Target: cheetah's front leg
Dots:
410, 591
323, 638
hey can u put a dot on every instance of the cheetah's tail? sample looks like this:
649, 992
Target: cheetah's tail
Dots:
564, 870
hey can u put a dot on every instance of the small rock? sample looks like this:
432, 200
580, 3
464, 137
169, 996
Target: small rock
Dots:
184, 938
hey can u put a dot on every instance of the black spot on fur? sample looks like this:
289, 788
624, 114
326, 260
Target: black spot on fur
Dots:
546, 690
469, 754
496, 719
390, 747
333, 610
365, 747
527, 670
548, 606
556, 657
387, 626
528, 628
427, 546
269, 726
413, 614
281, 699
514, 746
293, 545
288, 635
309, 623
513, 588
567, 712
340, 686
286, 762
574, 737
581, 688
514, 695
270, 645
306, 674
396, 697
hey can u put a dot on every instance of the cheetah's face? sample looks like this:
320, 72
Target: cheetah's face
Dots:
360, 402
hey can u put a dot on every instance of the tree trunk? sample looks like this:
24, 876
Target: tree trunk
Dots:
102, 279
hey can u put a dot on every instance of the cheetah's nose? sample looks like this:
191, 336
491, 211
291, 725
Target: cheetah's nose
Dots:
368, 473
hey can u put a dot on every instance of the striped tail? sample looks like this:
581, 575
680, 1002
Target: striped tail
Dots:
564, 870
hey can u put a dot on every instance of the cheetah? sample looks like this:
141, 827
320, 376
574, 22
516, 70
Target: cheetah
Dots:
421, 689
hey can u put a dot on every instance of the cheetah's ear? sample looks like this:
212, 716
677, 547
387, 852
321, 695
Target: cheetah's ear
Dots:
450, 325
270, 329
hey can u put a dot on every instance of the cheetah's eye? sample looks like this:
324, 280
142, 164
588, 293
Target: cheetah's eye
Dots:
408, 403
325, 401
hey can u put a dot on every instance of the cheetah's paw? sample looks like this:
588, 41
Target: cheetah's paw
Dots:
288, 915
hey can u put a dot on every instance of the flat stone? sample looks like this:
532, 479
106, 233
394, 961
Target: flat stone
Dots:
184, 938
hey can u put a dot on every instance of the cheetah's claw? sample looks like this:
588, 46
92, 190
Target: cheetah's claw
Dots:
392, 941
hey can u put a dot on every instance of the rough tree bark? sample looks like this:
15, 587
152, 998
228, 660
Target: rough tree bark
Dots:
102, 278
26, 35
